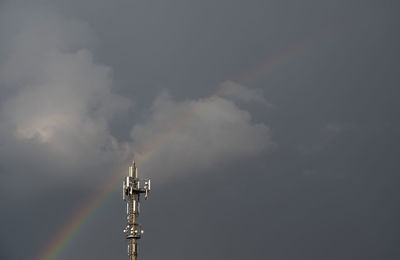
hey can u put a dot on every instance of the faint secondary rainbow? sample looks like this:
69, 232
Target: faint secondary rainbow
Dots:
273, 59
59, 241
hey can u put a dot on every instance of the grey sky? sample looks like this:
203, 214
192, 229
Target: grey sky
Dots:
280, 121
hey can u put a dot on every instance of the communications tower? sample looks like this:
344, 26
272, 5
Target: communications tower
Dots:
132, 187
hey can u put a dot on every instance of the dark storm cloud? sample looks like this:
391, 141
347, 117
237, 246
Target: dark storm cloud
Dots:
82, 86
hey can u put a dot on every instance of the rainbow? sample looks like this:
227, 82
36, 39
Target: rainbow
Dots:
86, 210
81, 215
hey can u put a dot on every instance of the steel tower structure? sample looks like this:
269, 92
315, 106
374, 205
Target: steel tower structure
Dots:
131, 190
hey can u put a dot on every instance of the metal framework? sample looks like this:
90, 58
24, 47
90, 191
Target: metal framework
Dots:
131, 190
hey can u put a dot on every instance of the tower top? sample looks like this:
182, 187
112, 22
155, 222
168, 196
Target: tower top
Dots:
131, 190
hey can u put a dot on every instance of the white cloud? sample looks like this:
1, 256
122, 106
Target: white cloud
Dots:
58, 104
55, 95
196, 134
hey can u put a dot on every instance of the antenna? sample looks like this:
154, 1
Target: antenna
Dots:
131, 191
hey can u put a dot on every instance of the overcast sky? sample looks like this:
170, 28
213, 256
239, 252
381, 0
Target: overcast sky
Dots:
270, 129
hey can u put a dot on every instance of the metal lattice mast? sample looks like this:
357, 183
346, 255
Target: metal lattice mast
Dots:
131, 191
